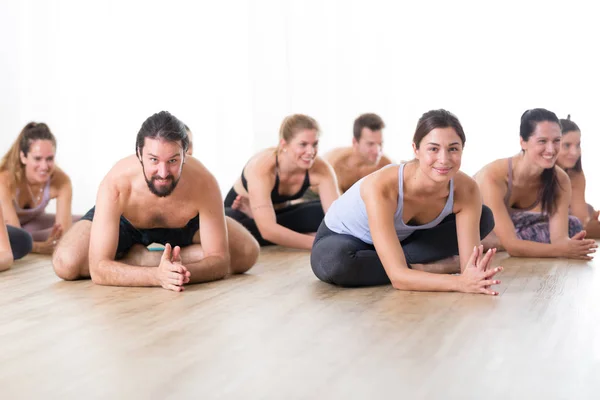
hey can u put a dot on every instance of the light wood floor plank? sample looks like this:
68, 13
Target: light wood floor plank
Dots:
277, 332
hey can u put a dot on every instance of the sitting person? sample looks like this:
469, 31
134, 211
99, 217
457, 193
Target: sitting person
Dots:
529, 196
159, 196
29, 179
405, 224
260, 198
15, 243
364, 156
569, 159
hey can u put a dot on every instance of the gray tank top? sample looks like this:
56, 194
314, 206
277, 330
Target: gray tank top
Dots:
348, 214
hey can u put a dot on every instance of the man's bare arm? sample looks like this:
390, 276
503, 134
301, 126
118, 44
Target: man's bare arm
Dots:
104, 270
215, 262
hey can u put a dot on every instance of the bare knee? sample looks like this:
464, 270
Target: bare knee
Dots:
243, 254
67, 265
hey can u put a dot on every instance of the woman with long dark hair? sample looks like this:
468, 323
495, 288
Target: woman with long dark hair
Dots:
404, 222
529, 196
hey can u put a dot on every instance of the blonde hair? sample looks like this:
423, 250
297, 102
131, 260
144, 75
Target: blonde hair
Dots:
293, 124
11, 161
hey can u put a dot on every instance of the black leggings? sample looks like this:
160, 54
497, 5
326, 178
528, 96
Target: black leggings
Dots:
347, 261
302, 218
20, 240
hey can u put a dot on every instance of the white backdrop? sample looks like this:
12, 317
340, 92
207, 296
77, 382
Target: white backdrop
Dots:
231, 70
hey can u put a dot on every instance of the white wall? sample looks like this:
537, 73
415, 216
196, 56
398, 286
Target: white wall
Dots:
232, 70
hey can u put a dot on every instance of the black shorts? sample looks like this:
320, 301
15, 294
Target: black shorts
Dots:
130, 235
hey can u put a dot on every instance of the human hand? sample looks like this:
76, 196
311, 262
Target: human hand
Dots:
578, 247
477, 275
171, 273
242, 203
48, 246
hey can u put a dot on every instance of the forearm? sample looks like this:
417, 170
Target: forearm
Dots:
416, 280
114, 273
6, 260
208, 269
65, 222
528, 248
286, 237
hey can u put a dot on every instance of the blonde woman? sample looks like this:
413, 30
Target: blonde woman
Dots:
261, 197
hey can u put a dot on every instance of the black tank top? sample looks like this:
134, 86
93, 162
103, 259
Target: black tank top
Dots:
277, 198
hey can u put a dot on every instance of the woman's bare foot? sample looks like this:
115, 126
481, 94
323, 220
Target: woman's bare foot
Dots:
449, 265
242, 203
491, 241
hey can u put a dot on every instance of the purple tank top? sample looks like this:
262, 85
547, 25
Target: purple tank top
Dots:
29, 214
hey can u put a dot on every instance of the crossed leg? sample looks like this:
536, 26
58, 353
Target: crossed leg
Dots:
70, 259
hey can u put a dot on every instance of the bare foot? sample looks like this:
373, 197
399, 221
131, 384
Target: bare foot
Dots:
242, 203
449, 265
491, 241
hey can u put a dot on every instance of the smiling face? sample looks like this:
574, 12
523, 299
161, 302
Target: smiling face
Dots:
570, 149
162, 163
543, 145
369, 146
39, 161
439, 154
302, 148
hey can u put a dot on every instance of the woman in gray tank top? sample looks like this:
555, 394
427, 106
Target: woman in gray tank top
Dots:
402, 223
530, 196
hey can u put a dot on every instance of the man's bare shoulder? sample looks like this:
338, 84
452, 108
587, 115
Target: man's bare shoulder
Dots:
338, 155
197, 179
195, 169
383, 161
123, 174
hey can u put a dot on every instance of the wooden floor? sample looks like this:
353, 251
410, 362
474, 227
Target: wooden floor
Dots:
279, 333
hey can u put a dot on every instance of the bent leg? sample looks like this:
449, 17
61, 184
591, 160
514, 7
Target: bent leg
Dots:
248, 223
344, 260
20, 240
70, 259
243, 252
243, 247
40, 227
441, 242
304, 217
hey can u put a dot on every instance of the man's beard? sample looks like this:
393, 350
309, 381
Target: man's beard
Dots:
164, 191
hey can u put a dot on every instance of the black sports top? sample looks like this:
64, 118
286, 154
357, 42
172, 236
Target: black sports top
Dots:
277, 198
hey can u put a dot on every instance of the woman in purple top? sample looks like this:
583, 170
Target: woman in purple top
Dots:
29, 179
400, 224
530, 196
